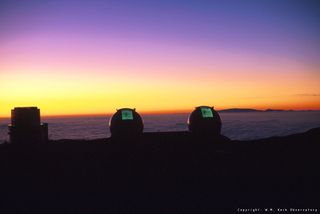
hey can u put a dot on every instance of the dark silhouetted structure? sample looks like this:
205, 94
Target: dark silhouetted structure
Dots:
126, 122
26, 128
205, 121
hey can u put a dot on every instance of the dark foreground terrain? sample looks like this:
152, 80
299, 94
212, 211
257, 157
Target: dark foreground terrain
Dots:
161, 173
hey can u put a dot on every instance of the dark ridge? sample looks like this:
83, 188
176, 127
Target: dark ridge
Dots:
161, 173
244, 110
277, 110
237, 110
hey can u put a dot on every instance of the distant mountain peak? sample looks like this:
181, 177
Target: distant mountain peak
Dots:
240, 110
236, 110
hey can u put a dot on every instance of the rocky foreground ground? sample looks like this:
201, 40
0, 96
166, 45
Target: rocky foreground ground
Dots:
172, 172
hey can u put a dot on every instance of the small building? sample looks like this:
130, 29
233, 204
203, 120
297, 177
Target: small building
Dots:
26, 126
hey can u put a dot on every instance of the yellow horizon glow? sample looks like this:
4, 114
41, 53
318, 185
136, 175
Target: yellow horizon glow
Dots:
152, 84
91, 95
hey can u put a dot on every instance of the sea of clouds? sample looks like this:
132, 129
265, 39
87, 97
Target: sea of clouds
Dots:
241, 126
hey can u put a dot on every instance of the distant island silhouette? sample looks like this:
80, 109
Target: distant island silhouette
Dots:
245, 110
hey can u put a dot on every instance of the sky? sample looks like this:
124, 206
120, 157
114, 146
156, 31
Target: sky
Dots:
93, 57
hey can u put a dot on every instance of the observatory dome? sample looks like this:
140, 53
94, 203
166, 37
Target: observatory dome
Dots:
204, 121
126, 122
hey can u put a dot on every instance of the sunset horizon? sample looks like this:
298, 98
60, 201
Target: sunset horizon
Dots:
155, 112
80, 57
